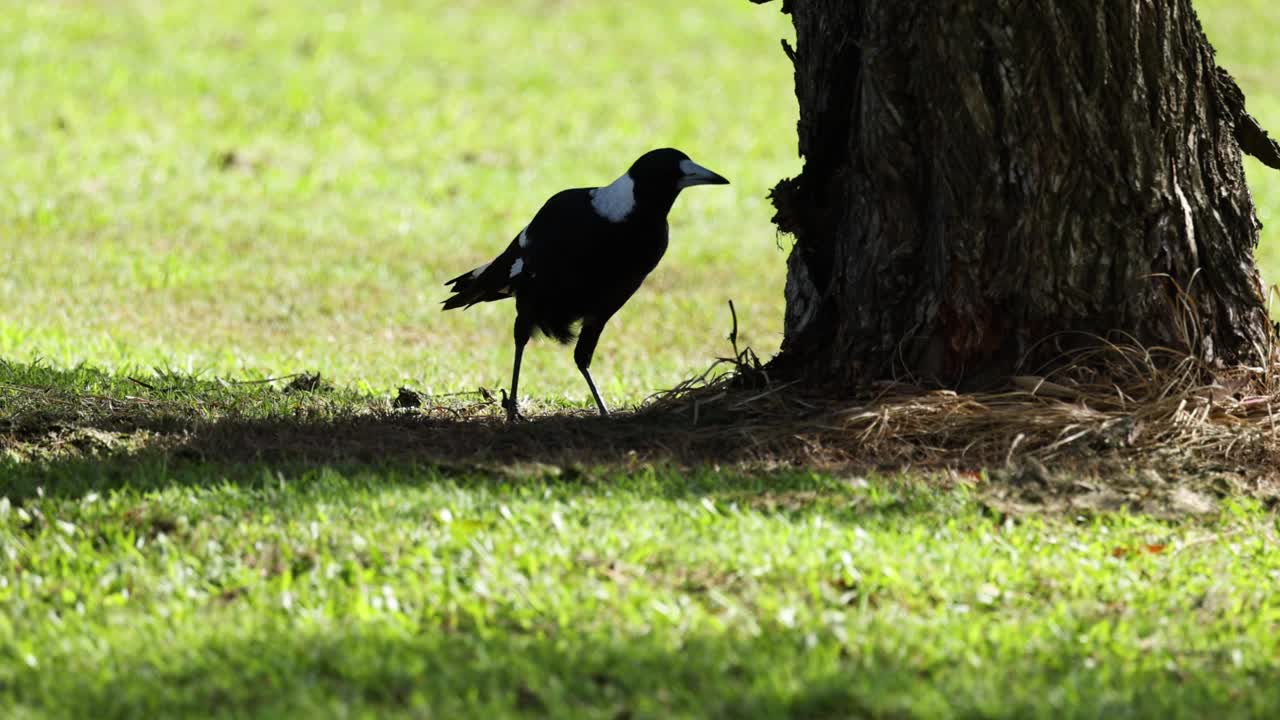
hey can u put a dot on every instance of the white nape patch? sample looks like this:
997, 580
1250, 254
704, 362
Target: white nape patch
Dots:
476, 273
517, 266
523, 240
615, 201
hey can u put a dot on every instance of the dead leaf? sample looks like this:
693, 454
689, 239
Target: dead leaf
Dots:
407, 398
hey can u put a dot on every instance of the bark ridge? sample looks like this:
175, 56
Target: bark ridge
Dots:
987, 183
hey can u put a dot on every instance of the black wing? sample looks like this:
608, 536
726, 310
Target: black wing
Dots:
553, 248
489, 282
567, 242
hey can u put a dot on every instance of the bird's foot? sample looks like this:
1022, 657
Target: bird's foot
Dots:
513, 410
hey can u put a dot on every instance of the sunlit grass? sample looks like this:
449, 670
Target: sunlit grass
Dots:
253, 189
250, 189
283, 187
398, 591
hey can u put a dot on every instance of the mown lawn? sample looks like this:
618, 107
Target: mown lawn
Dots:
232, 192
393, 590
253, 189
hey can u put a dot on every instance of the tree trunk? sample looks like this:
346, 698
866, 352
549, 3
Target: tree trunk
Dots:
988, 183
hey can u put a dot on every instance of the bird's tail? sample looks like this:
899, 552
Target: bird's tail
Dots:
476, 286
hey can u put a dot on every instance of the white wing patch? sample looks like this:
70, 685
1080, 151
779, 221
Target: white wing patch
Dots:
517, 266
615, 201
523, 240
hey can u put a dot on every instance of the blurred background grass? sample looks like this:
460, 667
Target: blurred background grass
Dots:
252, 188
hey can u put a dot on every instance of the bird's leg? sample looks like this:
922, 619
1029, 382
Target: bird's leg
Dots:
582, 353
510, 403
604, 411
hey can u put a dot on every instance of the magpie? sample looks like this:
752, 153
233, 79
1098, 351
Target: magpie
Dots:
582, 257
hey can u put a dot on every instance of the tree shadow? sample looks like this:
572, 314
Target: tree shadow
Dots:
68, 432
219, 420
84, 431
486, 457
564, 670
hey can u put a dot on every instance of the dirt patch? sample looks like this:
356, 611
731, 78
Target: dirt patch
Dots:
1177, 489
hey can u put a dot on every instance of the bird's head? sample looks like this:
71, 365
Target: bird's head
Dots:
672, 168
651, 185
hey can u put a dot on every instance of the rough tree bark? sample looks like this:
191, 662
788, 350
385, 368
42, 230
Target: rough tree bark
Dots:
989, 182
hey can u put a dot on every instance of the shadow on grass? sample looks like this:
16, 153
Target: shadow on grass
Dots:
389, 668
794, 494
67, 432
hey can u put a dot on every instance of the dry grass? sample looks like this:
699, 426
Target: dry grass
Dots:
1114, 395
1120, 398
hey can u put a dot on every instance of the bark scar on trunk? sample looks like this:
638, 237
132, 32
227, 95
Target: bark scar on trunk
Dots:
1253, 138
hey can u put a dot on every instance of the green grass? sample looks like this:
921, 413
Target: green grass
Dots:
244, 190
380, 149
400, 591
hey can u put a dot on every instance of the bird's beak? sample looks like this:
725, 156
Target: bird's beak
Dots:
695, 174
